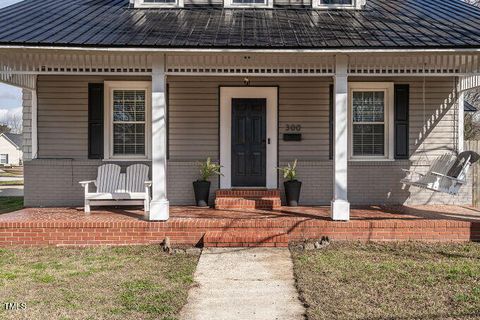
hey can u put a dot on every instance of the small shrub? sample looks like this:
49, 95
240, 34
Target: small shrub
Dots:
290, 171
208, 169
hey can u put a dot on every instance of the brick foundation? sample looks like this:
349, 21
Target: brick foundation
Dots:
192, 226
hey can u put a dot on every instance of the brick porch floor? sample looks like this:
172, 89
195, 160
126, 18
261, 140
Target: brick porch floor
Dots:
209, 227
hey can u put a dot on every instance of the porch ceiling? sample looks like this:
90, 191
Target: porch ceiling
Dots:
383, 24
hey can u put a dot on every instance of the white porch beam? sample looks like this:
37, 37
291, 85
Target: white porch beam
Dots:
461, 114
340, 207
159, 208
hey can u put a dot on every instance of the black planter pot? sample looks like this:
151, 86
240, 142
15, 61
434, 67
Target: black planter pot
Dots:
292, 192
202, 192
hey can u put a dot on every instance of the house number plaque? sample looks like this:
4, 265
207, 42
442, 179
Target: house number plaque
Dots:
294, 127
293, 133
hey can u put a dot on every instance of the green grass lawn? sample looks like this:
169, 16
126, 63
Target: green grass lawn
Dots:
390, 281
138, 282
9, 204
11, 183
11, 172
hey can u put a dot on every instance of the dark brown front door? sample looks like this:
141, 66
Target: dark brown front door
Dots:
249, 122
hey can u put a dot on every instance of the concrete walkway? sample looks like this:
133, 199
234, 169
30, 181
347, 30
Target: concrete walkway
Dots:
244, 284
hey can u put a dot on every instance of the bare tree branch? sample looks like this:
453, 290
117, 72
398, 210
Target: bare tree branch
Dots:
473, 2
13, 121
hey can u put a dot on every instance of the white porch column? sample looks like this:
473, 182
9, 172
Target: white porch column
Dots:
340, 207
461, 115
159, 207
33, 127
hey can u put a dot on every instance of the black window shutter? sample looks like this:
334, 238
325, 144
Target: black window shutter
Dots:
402, 93
95, 121
330, 123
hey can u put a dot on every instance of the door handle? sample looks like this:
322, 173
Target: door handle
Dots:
268, 140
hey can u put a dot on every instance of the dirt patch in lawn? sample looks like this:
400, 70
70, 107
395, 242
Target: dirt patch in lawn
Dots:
139, 282
390, 281
9, 204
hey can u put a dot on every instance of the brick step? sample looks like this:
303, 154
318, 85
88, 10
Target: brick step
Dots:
266, 199
250, 193
244, 239
246, 203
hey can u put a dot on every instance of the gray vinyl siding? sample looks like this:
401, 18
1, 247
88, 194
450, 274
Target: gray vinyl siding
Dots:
27, 124
194, 135
194, 114
63, 115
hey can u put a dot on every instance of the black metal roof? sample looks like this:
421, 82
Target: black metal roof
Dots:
383, 24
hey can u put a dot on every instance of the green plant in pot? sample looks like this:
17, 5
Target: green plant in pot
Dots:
201, 187
291, 184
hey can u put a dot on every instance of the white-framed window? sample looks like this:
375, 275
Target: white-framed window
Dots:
157, 3
371, 134
127, 120
338, 4
4, 158
248, 3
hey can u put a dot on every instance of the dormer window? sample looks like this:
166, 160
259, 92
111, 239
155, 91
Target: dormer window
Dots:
338, 4
316, 4
248, 3
157, 3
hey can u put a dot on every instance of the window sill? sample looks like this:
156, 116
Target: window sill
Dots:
126, 159
246, 6
371, 160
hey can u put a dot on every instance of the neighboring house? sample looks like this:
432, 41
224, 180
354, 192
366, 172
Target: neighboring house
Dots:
11, 149
356, 90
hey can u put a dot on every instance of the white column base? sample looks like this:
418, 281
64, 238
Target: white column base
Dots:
159, 210
340, 210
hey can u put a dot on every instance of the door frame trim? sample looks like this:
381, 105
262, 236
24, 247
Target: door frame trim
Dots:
226, 95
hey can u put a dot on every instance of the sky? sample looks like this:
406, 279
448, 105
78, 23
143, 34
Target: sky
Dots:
10, 97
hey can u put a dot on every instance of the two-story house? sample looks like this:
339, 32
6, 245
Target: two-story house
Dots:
356, 90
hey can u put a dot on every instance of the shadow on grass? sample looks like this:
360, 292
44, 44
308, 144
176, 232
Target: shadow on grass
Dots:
9, 204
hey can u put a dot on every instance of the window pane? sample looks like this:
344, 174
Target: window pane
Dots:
368, 106
368, 139
129, 122
368, 113
248, 1
159, 1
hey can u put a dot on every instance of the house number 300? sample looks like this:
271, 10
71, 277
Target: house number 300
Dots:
294, 127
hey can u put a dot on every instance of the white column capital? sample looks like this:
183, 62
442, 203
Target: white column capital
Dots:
341, 65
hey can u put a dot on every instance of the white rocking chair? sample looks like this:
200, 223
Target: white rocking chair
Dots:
447, 174
115, 188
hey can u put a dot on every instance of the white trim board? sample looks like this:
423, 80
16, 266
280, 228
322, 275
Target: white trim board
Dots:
274, 51
226, 95
109, 87
388, 89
